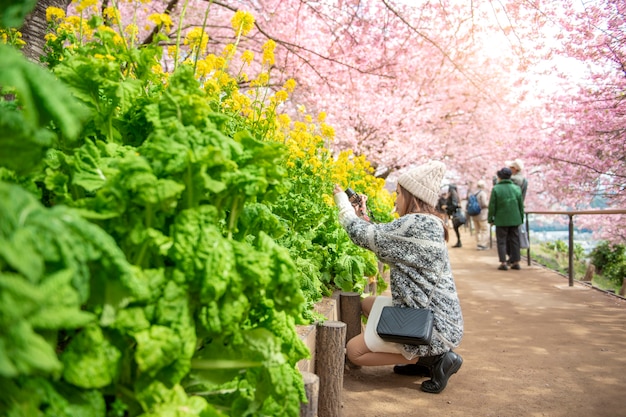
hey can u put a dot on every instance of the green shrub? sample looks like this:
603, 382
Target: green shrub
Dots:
610, 261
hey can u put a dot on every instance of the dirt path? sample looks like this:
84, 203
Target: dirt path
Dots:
533, 346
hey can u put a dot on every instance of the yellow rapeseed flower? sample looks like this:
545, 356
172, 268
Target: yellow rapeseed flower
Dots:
290, 85
202, 68
73, 21
283, 120
54, 14
247, 57
211, 87
13, 36
161, 19
132, 30
229, 50
281, 96
223, 78
197, 39
118, 40
262, 80
327, 131
213, 63
112, 14
107, 56
268, 52
85, 4
65, 28
242, 100
242, 22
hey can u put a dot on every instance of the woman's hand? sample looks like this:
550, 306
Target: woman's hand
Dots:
337, 189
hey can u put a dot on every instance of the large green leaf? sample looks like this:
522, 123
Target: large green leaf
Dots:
44, 99
13, 13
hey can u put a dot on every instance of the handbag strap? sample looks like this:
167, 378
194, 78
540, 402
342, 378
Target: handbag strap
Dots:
430, 296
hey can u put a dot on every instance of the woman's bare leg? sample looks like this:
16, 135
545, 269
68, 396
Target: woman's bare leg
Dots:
359, 354
367, 304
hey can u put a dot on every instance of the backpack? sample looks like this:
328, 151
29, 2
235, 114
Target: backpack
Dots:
473, 208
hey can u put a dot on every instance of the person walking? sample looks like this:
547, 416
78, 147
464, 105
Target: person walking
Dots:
517, 166
453, 206
481, 225
506, 212
415, 248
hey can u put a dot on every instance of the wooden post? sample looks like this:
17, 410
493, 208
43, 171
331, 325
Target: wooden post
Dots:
350, 313
330, 358
311, 388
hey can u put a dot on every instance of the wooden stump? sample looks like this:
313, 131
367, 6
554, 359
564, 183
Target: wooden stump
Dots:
311, 388
330, 358
350, 313
591, 269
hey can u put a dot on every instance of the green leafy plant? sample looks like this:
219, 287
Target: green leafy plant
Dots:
555, 255
160, 242
610, 261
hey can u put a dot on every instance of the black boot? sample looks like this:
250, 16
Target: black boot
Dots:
422, 367
458, 245
446, 366
412, 369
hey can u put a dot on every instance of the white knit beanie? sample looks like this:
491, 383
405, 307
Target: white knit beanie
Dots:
424, 182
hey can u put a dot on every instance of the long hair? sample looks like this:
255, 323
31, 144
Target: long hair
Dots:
413, 204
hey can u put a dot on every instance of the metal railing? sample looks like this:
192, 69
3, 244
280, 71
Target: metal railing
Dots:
571, 215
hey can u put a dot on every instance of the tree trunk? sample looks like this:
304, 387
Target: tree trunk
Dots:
34, 28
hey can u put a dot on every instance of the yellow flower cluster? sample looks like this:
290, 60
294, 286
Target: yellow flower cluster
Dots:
268, 52
356, 172
54, 14
162, 19
84, 5
108, 57
261, 81
132, 30
11, 37
306, 138
74, 25
242, 22
117, 39
197, 40
239, 103
247, 57
112, 14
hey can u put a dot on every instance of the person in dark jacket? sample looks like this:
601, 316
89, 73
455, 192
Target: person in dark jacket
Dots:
453, 203
506, 212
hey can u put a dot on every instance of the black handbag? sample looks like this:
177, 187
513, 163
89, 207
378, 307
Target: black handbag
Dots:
407, 325
458, 218
410, 326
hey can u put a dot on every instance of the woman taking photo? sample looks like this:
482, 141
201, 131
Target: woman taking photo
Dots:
415, 248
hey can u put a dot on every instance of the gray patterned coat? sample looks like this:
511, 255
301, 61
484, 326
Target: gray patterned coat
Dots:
415, 249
